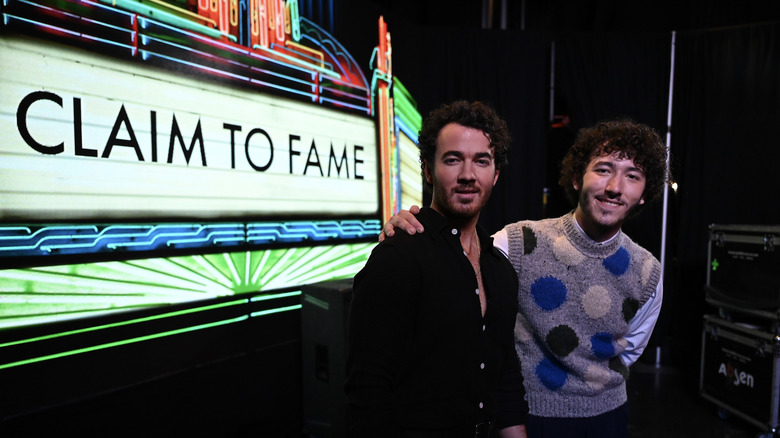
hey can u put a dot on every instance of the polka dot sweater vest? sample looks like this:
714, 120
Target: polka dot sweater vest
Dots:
576, 299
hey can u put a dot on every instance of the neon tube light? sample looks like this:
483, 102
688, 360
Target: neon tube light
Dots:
130, 322
152, 336
168, 18
123, 342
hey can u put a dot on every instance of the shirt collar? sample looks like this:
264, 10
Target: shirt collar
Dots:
577, 224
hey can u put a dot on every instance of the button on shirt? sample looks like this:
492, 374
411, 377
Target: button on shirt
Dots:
420, 353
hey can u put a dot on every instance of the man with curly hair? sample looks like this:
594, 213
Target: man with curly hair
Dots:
430, 350
589, 297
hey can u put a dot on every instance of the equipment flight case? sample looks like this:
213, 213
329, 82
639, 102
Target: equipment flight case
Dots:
740, 357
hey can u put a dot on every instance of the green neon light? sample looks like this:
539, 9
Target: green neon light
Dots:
270, 311
271, 297
405, 107
51, 293
124, 342
152, 318
147, 337
295, 20
400, 89
46, 294
124, 323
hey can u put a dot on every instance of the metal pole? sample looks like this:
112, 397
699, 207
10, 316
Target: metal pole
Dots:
503, 14
668, 158
552, 81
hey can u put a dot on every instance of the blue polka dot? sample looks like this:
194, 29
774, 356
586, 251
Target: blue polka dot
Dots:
618, 262
602, 346
548, 292
551, 374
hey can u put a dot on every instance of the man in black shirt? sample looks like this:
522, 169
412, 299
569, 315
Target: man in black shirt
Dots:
431, 348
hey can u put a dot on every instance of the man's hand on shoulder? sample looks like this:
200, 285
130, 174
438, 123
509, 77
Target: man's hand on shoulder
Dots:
404, 220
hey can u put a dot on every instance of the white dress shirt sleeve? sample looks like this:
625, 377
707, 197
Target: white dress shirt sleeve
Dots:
501, 241
640, 328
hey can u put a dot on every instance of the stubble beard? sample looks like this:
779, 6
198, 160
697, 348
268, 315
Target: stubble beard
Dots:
462, 211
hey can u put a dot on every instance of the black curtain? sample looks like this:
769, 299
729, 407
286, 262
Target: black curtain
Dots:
508, 70
608, 75
726, 117
725, 155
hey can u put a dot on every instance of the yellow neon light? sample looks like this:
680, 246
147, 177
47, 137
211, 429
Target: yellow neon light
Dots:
298, 61
301, 47
234, 12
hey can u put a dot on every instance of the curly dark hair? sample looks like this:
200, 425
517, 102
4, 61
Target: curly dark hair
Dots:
630, 140
475, 115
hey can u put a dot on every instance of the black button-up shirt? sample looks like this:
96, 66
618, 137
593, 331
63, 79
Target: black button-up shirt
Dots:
420, 354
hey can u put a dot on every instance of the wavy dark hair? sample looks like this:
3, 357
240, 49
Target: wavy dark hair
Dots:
475, 115
630, 140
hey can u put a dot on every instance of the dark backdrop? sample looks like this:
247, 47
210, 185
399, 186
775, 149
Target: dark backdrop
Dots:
725, 155
726, 89
507, 69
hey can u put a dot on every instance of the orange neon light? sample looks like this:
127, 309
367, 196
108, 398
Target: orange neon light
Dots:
384, 115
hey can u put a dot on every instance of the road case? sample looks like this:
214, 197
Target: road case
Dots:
740, 372
744, 267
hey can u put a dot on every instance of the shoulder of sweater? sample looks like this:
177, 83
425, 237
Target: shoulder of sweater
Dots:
629, 244
533, 224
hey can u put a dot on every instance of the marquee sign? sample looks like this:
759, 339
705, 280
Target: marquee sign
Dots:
131, 144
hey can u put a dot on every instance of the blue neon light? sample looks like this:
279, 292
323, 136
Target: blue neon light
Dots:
25, 241
409, 132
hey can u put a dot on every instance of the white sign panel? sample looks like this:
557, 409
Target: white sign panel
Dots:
89, 137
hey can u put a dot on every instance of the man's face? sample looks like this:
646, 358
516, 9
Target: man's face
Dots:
611, 188
463, 173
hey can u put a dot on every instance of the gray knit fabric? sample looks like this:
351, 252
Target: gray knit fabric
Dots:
576, 299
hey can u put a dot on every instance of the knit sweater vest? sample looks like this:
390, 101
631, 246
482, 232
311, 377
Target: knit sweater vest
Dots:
576, 299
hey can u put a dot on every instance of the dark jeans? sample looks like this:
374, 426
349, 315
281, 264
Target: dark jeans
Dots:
612, 424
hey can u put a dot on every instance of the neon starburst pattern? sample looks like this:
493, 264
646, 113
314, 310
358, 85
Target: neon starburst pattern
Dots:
52, 293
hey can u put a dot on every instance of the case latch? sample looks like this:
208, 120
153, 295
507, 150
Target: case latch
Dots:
769, 242
719, 237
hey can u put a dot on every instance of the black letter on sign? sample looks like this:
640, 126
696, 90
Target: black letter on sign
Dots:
176, 134
21, 121
343, 162
293, 152
77, 136
153, 132
315, 161
233, 129
270, 146
358, 160
112, 140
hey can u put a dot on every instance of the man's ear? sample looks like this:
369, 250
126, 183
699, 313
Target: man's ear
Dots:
495, 177
427, 170
575, 184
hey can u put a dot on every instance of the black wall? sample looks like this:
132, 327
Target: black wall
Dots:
596, 59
